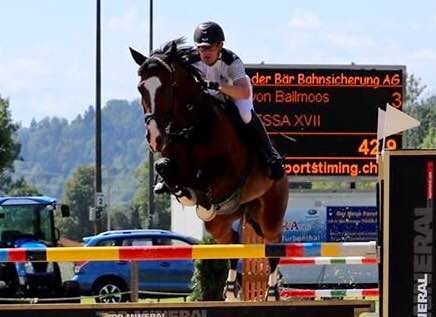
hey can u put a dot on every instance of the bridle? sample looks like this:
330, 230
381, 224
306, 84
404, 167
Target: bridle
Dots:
184, 134
148, 116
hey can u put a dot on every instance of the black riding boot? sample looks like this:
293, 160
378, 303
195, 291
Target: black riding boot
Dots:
273, 159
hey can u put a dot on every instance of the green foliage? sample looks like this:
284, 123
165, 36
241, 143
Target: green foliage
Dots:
79, 195
422, 109
9, 151
209, 278
20, 187
414, 90
124, 218
53, 148
17, 187
429, 141
9, 147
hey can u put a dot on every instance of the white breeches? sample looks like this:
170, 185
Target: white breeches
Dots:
244, 107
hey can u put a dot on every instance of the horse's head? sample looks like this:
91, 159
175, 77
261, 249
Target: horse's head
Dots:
161, 75
157, 97
187, 126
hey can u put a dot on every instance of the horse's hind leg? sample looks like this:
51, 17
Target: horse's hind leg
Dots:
270, 216
272, 292
231, 289
271, 234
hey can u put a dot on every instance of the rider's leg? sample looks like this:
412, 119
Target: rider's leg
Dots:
256, 129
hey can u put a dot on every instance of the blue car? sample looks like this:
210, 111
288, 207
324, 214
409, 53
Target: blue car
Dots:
110, 280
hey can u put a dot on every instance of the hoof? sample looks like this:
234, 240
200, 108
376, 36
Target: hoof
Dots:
272, 293
231, 291
161, 188
186, 197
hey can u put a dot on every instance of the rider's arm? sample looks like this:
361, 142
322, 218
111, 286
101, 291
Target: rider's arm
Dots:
239, 90
241, 87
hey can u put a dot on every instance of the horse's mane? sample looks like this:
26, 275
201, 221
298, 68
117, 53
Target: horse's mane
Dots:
183, 54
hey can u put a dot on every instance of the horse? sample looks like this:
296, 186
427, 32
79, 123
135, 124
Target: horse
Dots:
205, 159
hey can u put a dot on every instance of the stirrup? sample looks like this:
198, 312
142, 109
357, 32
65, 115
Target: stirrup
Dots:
276, 168
160, 188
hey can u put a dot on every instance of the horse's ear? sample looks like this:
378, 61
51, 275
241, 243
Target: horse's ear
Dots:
138, 57
173, 49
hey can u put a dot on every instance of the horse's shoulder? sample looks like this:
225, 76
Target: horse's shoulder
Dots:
228, 57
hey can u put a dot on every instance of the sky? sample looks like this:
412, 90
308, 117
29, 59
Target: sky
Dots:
47, 47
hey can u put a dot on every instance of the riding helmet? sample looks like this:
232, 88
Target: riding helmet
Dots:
207, 33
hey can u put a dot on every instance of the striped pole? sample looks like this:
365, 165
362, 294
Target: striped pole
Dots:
192, 252
329, 293
328, 260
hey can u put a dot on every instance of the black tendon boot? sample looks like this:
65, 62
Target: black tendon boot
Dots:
273, 159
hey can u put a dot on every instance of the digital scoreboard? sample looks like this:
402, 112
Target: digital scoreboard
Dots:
323, 119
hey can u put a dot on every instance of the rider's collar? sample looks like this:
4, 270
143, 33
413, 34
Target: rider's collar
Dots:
218, 59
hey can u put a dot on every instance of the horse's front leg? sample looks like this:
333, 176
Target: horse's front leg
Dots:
221, 230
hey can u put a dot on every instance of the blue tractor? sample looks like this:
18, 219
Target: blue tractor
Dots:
28, 222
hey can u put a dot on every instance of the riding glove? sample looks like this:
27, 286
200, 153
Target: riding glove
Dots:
212, 85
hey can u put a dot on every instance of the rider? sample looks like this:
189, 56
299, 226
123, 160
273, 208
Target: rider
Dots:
225, 77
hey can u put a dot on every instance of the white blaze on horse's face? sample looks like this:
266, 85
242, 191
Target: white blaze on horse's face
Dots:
151, 85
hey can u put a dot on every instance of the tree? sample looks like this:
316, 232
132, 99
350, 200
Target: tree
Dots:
209, 277
52, 148
79, 194
9, 146
430, 140
414, 90
121, 219
422, 109
18, 187
9, 152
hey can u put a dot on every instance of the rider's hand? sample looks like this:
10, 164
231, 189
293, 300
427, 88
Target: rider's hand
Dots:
212, 85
